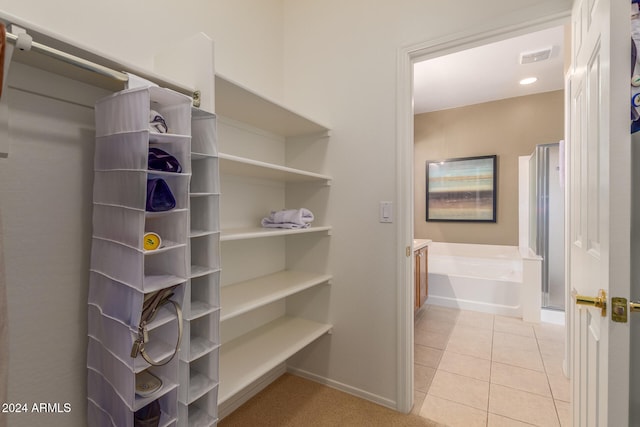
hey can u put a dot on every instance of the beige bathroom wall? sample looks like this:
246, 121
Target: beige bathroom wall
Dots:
509, 128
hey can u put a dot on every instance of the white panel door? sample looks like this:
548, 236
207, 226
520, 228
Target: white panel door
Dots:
600, 195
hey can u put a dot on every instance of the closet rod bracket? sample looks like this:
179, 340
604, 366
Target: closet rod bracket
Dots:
197, 97
23, 40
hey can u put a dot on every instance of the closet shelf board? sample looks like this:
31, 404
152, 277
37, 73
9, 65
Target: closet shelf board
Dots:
240, 103
257, 232
235, 165
241, 297
248, 357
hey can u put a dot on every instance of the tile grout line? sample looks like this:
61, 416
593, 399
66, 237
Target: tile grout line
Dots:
546, 374
493, 325
438, 368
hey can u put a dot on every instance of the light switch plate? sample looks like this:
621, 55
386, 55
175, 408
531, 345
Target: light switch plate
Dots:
386, 212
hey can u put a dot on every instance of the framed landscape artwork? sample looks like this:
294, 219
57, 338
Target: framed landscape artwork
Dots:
462, 189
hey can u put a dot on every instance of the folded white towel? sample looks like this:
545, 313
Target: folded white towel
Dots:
283, 225
288, 218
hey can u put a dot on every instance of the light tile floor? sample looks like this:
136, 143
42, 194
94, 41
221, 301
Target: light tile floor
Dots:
477, 369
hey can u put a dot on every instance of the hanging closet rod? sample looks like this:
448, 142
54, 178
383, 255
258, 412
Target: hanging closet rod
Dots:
69, 59
24, 42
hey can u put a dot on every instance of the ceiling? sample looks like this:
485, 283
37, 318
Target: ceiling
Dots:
488, 73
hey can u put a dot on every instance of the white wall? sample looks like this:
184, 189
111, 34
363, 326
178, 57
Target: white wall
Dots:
247, 33
340, 66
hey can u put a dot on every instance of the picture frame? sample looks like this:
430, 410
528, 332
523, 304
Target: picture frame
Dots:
462, 189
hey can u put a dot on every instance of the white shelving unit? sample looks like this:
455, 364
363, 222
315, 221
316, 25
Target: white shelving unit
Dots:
257, 352
122, 271
270, 159
255, 232
248, 295
198, 366
234, 165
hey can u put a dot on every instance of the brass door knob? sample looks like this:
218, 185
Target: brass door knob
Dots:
634, 306
598, 302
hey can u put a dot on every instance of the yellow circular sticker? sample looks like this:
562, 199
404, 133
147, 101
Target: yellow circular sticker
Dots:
152, 241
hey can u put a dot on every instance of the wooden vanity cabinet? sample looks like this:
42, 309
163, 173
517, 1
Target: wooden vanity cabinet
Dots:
421, 284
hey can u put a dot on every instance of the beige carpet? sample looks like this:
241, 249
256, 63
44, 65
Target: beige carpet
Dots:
294, 401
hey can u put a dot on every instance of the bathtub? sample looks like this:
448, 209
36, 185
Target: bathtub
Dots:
486, 278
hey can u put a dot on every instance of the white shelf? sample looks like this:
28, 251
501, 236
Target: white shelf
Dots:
234, 165
257, 232
240, 103
248, 357
242, 297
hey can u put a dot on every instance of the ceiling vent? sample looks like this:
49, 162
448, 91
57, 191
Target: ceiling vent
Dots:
537, 56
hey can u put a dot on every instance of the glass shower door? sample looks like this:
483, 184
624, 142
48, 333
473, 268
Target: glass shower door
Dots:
548, 231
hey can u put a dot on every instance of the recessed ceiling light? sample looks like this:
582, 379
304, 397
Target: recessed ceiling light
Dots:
528, 80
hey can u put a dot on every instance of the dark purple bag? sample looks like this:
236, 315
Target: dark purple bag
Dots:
159, 196
160, 160
148, 416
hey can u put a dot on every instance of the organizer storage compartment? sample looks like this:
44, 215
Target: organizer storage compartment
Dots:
124, 273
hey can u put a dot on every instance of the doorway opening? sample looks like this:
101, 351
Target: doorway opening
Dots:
407, 169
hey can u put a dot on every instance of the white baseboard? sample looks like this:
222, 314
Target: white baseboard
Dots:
237, 400
553, 316
501, 310
383, 401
